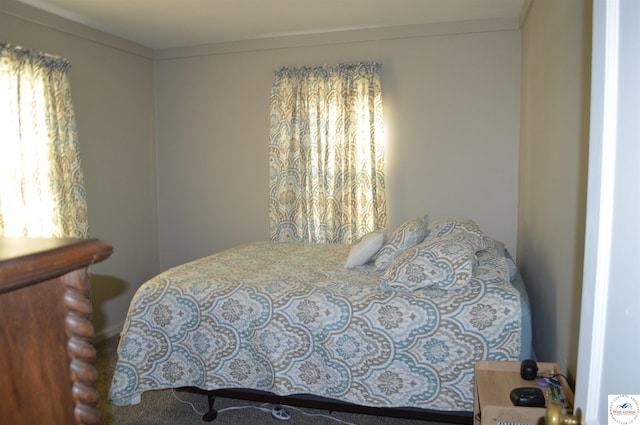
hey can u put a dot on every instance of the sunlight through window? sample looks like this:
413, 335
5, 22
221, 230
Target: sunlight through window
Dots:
24, 164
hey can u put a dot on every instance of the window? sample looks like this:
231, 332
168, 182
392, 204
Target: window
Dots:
41, 183
326, 154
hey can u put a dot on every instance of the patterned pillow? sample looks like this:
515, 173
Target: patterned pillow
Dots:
450, 225
446, 262
409, 234
366, 248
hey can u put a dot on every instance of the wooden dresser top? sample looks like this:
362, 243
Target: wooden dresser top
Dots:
24, 261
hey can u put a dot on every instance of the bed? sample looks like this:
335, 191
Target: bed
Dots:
391, 322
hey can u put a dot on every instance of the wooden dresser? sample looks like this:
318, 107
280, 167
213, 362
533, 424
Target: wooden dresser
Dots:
47, 359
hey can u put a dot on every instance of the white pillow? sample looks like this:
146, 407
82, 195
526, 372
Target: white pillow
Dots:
366, 248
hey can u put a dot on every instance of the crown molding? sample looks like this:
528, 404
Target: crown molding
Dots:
56, 23
340, 37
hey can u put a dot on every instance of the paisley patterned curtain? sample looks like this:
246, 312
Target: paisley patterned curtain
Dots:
326, 154
41, 183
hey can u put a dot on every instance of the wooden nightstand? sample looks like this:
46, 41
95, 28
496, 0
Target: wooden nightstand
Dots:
493, 384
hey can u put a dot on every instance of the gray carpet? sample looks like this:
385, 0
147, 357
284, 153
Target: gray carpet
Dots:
162, 407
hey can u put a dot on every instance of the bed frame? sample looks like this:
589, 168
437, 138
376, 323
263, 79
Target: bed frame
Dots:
315, 402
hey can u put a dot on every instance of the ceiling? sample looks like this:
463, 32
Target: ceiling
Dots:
161, 24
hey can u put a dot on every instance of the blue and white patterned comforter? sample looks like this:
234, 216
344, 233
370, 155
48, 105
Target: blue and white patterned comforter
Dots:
291, 319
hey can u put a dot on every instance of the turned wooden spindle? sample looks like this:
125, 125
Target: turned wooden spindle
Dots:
46, 334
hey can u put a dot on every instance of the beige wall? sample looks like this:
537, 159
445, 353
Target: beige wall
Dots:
113, 95
200, 116
452, 108
556, 46
451, 103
